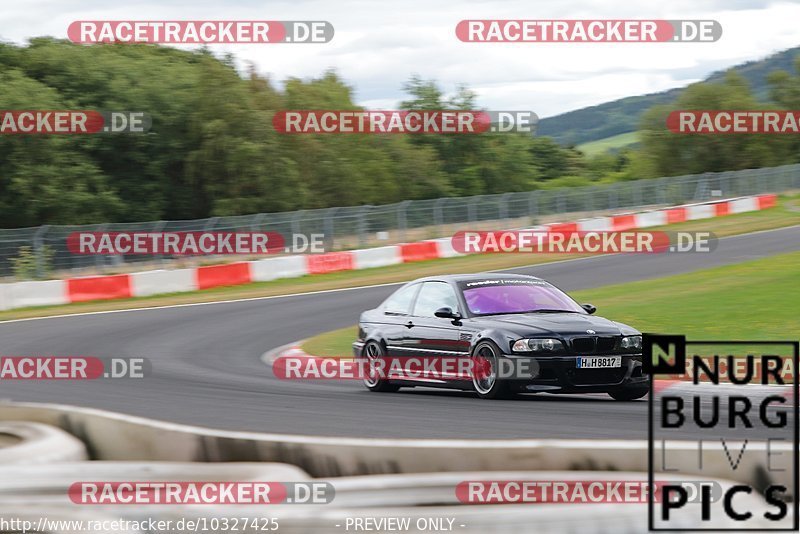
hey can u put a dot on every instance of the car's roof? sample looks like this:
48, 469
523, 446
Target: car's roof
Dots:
475, 276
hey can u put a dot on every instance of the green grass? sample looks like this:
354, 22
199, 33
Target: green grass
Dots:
336, 343
754, 300
751, 300
592, 148
787, 213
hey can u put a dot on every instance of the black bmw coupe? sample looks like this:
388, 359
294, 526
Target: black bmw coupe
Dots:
520, 334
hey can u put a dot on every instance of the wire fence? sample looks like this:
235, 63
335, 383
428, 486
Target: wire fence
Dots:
41, 252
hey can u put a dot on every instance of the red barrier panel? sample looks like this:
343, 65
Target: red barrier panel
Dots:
620, 223
230, 274
722, 208
566, 228
329, 262
767, 201
424, 250
676, 215
99, 288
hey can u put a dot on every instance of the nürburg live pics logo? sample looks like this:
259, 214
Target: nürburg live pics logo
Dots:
723, 414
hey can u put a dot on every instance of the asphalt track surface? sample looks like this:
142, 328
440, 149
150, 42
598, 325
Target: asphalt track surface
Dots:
207, 369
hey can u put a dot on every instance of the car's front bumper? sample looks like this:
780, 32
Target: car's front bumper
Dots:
561, 374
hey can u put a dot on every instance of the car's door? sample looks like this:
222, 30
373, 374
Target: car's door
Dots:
431, 335
396, 318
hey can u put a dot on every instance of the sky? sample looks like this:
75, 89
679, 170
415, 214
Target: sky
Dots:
378, 45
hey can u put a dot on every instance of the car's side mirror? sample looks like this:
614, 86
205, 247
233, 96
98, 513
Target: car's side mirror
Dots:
590, 308
447, 313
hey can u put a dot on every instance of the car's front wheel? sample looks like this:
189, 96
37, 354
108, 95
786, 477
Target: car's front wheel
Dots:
628, 394
485, 372
373, 352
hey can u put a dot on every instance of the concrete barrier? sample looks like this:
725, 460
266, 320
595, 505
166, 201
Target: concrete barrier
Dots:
699, 211
598, 224
445, 247
148, 283
24, 442
44, 293
743, 205
651, 218
278, 267
376, 257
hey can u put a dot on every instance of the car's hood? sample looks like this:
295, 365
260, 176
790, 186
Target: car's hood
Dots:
553, 323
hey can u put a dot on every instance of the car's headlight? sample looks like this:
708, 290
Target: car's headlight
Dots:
632, 342
537, 345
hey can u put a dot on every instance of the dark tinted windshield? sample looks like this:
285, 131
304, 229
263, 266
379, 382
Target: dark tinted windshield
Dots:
514, 296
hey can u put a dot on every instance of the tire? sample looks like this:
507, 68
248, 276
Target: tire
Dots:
487, 385
628, 394
374, 351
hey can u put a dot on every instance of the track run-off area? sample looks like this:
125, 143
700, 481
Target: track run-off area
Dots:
207, 370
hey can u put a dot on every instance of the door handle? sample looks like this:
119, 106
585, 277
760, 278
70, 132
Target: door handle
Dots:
409, 324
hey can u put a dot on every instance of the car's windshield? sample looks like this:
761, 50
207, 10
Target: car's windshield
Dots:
516, 296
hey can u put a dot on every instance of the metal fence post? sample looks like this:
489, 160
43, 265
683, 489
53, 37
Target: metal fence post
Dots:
402, 219
158, 227
438, 219
38, 250
362, 225
503, 208
257, 221
471, 216
329, 228
533, 206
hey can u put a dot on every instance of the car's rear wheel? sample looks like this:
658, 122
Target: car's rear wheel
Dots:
485, 376
628, 394
373, 352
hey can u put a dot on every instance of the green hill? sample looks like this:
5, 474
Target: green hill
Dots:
622, 116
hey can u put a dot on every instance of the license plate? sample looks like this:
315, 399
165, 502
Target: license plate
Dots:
597, 362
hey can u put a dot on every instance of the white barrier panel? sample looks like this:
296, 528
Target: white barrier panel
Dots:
5, 297
651, 218
445, 247
280, 267
699, 211
376, 257
743, 205
162, 281
598, 224
46, 293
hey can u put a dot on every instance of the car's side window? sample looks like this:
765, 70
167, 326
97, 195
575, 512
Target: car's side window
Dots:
435, 295
400, 302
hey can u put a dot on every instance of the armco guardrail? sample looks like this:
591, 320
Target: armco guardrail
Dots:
120, 437
426, 502
55, 292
